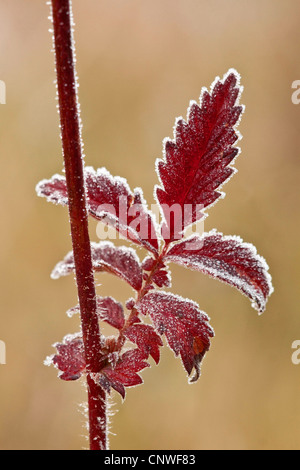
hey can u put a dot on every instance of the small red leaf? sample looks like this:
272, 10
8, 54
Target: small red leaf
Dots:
109, 382
120, 261
124, 374
196, 162
54, 190
111, 200
184, 325
228, 259
111, 311
146, 339
148, 263
162, 278
130, 303
69, 359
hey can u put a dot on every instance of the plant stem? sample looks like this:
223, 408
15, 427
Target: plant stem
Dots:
73, 161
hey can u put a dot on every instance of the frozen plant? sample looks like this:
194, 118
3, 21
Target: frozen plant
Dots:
196, 163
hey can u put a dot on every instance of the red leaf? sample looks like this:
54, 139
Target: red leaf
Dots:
111, 311
130, 303
110, 200
124, 374
162, 278
54, 190
69, 359
228, 259
184, 325
196, 162
146, 339
148, 263
120, 261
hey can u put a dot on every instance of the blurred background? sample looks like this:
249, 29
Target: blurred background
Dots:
140, 63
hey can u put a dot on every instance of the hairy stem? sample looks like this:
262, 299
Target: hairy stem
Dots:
73, 161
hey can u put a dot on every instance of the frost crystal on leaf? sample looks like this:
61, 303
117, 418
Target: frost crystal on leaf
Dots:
69, 359
186, 328
111, 311
54, 190
228, 259
162, 276
146, 339
111, 200
120, 261
124, 374
196, 163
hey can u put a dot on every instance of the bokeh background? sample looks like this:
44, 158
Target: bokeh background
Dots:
140, 63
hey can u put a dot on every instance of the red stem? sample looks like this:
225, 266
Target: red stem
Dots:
73, 161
